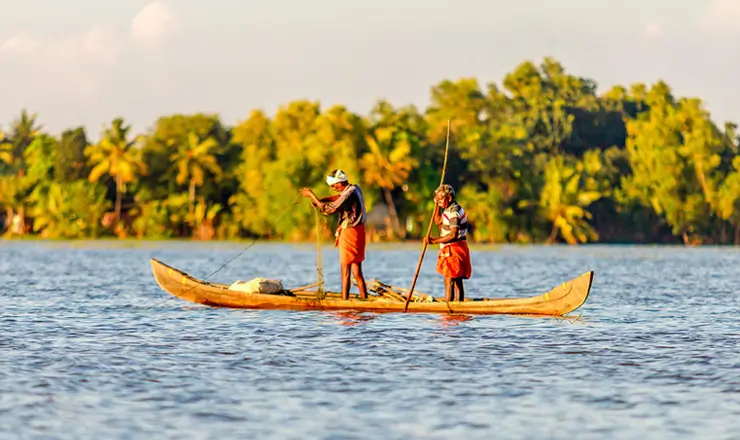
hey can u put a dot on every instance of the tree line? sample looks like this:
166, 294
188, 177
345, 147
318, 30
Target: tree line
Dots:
541, 157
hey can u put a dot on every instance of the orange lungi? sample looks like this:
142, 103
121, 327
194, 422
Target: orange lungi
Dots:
351, 244
454, 260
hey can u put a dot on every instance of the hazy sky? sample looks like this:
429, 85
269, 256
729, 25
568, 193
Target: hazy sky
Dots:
88, 61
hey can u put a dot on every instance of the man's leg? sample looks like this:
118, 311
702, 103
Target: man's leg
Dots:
346, 272
459, 288
357, 272
449, 292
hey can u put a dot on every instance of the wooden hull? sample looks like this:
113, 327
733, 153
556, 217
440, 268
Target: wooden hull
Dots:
559, 301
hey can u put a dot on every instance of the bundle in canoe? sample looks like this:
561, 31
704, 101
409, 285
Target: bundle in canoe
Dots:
559, 301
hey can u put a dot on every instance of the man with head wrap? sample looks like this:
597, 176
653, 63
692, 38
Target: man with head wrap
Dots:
349, 205
453, 261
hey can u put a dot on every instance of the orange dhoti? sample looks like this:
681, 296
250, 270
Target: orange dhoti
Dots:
351, 244
454, 260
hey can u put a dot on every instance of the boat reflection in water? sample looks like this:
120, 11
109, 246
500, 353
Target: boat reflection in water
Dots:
453, 320
351, 318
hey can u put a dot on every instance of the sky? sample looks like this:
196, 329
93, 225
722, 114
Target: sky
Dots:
86, 62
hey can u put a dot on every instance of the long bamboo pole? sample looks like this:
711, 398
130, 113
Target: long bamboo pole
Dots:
429, 230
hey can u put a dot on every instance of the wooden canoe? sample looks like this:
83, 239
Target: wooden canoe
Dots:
559, 301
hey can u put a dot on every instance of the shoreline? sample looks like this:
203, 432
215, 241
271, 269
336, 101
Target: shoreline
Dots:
330, 243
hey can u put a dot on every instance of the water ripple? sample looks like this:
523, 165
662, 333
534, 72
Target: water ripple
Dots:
92, 348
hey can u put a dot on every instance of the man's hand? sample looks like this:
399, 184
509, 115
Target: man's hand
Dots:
428, 240
307, 192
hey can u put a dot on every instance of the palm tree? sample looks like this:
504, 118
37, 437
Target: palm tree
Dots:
6, 149
23, 133
563, 203
13, 191
192, 160
728, 206
68, 210
116, 156
388, 165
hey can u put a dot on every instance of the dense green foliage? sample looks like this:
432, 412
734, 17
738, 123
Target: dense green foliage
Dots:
540, 158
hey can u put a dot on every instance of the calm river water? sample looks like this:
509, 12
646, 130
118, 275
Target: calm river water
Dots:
92, 348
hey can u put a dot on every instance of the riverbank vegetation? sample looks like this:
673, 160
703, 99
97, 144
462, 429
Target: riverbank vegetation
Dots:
540, 157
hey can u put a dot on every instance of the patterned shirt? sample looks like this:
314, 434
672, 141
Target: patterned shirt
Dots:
350, 205
453, 216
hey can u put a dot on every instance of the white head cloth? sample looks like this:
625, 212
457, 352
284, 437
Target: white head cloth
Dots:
335, 177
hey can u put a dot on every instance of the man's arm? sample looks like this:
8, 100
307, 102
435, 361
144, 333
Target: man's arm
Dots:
447, 238
454, 220
315, 201
331, 207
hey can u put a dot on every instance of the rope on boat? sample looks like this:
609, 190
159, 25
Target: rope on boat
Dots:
286, 212
320, 294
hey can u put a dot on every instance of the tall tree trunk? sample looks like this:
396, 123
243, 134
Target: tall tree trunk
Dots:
22, 215
9, 218
118, 198
192, 199
394, 214
553, 233
699, 167
737, 234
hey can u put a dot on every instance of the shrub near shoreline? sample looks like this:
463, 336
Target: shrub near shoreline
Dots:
541, 158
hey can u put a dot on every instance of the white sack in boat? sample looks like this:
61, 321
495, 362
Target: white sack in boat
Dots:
257, 285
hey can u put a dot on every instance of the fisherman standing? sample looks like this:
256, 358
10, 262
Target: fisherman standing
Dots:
453, 261
349, 205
